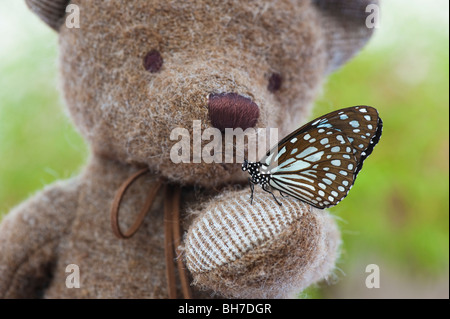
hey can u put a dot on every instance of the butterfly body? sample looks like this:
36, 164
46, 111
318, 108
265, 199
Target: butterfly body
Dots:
318, 163
254, 169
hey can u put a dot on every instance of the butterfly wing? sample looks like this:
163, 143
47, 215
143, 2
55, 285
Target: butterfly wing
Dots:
319, 162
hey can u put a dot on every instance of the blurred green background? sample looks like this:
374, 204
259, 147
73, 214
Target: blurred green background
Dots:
396, 215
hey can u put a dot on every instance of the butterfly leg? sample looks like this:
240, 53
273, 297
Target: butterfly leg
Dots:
284, 196
268, 191
252, 187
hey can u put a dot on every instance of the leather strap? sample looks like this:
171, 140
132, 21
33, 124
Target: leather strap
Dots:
172, 232
176, 232
168, 244
118, 199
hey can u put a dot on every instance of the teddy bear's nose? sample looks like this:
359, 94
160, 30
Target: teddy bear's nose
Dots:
232, 110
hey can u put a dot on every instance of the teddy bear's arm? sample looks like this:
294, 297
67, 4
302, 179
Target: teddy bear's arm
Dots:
262, 250
29, 238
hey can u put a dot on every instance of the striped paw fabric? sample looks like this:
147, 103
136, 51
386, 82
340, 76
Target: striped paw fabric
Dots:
226, 232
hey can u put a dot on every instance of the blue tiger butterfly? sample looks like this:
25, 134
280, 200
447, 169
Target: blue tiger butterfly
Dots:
318, 163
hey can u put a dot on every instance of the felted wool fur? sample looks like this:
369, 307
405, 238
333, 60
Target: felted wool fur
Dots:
274, 53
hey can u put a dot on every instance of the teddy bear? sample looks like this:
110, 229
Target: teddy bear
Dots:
135, 223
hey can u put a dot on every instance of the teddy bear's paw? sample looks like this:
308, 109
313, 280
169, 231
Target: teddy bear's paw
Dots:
232, 227
239, 249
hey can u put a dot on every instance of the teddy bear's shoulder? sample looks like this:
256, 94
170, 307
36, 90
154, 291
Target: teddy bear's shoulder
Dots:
52, 208
30, 236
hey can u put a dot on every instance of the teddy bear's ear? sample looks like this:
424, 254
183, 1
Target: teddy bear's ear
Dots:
52, 12
348, 26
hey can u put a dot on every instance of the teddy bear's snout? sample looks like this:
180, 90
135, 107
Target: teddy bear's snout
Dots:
231, 110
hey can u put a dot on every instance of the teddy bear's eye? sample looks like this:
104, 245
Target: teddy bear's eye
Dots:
275, 82
153, 61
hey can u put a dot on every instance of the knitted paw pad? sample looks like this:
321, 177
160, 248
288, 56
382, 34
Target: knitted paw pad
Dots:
227, 231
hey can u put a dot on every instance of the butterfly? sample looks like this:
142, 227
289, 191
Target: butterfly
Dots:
319, 162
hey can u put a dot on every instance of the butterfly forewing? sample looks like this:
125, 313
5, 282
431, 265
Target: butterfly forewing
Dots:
319, 162
361, 125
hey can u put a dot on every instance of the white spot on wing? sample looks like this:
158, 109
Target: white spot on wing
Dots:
314, 157
281, 152
335, 149
336, 162
310, 172
340, 138
354, 123
307, 152
295, 165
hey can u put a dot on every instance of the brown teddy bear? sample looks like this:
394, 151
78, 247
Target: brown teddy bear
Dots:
133, 71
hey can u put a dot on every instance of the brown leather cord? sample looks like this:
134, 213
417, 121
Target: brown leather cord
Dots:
172, 230
118, 198
168, 244
177, 242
